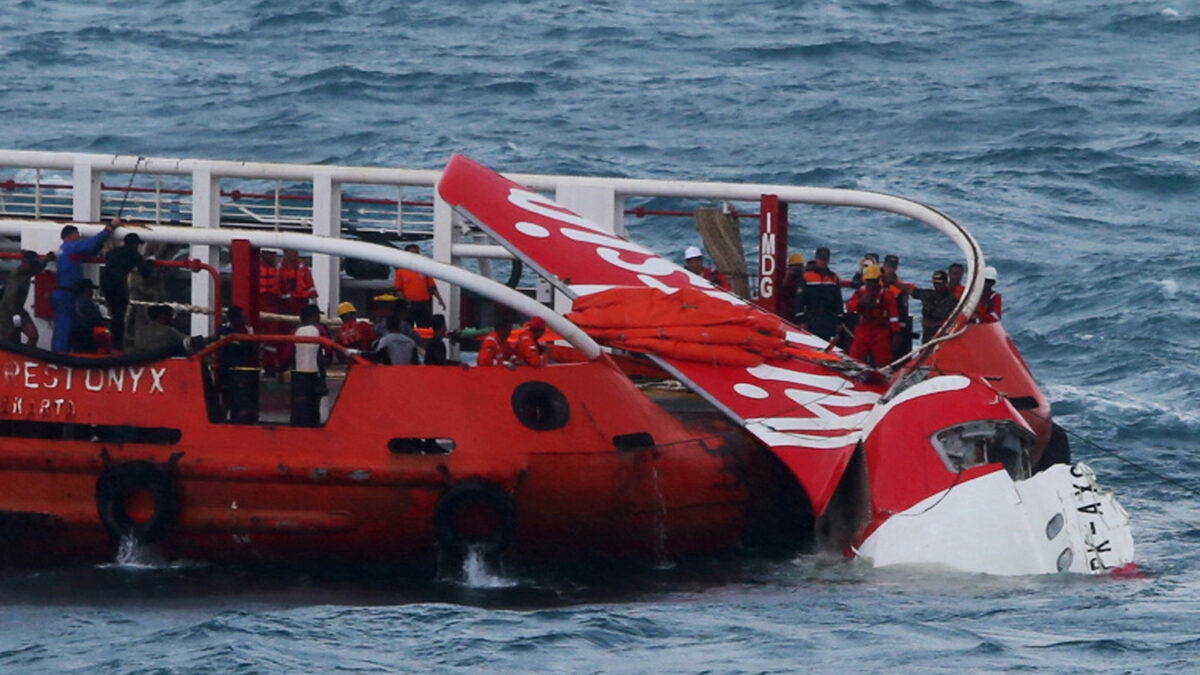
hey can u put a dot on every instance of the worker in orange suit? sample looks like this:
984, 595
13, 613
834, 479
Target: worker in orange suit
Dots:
991, 306
530, 351
878, 320
495, 349
295, 283
419, 290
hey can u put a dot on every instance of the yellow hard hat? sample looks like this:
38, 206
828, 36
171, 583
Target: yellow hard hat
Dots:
346, 308
385, 297
872, 272
795, 259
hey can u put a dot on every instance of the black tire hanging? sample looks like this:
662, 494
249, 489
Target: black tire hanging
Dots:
115, 485
475, 494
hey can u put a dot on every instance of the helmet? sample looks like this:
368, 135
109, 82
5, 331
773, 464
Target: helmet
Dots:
795, 259
692, 252
536, 322
872, 272
989, 273
346, 308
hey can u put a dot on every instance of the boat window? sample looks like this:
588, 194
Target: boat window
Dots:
421, 446
633, 442
540, 406
103, 433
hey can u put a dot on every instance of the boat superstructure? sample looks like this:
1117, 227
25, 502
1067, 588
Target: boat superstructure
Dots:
950, 457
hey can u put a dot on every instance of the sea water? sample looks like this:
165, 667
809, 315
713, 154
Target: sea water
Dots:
1064, 135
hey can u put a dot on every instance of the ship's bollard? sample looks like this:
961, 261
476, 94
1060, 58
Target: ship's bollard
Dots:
241, 387
306, 398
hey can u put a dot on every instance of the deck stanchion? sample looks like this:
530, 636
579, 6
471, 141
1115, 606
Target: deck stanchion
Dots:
772, 252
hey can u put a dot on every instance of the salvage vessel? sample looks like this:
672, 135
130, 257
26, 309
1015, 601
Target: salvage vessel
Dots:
948, 457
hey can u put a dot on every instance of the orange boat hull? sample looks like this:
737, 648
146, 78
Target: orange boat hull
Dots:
610, 475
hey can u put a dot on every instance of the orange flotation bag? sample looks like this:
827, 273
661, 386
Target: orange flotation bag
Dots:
688, 325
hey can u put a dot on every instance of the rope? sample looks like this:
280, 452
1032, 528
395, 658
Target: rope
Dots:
1113, 453
1108, 451
136, 166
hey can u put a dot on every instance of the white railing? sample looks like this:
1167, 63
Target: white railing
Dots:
342, 201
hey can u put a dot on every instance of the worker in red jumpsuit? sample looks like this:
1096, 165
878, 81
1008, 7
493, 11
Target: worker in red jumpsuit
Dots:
991, 306
694, 261
878, 320
295, 283
530, 351
495, 349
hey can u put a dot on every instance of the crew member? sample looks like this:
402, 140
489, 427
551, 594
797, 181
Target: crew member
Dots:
71, 255
16, 294
954, 280
937, 304
296, 287
353, 333
159, 334
878, 320
792, 287
114, 284
530, 351
991, 306
419, 290
821, 300
495, 349
900, 290
695, 264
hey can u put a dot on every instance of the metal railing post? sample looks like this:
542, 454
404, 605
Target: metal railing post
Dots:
85, 193
443, 252
327, 222
206, 213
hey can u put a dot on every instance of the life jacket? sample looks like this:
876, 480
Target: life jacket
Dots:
714, 277
822, 292
296, 281
883, 313
268, 279
529, 351
990, 309
494, 351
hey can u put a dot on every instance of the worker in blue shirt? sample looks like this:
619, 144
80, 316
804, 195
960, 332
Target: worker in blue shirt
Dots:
71, 255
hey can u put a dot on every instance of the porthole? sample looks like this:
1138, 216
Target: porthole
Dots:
540, 406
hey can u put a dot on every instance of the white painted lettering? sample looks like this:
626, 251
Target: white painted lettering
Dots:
87, 380
70, 372
653, 266
116, 378
45, 407
157, 374
11, 369
30, 368
51, 381
602, 239
135, 375
18, 406
58, 403
535, 203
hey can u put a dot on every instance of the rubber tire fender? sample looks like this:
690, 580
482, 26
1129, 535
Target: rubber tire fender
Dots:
114, 485
471, 492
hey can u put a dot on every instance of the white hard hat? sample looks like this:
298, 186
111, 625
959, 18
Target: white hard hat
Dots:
989, 273
692, 252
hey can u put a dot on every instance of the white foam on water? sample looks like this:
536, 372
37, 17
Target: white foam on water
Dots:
477, 573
